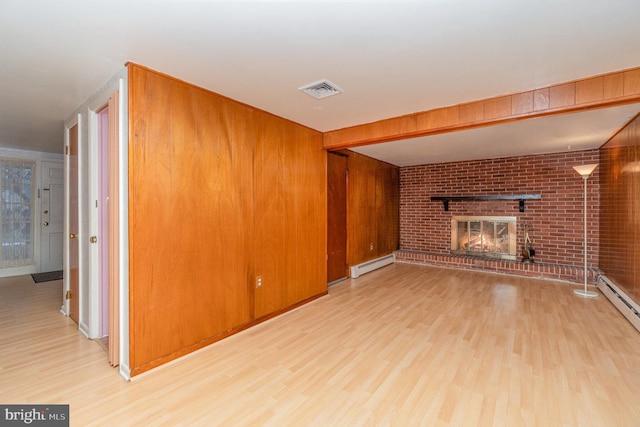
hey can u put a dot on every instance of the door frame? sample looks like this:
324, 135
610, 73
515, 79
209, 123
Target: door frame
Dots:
87, 192
93, 229
119, 84
76, 120
105, 150
104, 265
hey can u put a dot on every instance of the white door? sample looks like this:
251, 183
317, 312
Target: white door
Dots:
52, 216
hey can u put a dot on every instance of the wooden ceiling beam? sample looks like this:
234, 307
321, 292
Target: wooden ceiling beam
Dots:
607, 90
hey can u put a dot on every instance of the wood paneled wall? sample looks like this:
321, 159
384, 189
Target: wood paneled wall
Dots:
220, 193
291, 218
373, 205
620, 209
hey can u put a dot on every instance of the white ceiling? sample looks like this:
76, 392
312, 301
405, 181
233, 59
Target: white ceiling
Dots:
543, 135
390, 58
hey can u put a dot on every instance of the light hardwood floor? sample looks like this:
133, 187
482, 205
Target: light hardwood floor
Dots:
406, 345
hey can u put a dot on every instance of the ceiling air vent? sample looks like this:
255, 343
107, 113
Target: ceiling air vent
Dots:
321, 89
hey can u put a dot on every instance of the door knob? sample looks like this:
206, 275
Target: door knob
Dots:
45, 211
73, 236
45, 223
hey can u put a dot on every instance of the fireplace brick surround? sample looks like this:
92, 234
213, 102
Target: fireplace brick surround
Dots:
555, 221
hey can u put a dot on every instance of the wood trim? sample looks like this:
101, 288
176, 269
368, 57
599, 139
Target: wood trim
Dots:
72, 199
616, 88
114, 236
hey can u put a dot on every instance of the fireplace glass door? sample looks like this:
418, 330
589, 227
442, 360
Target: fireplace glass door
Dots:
484, 236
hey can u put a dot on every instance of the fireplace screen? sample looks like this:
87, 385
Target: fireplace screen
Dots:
491, 236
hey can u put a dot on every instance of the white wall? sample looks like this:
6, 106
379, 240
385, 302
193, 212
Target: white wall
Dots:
38, 158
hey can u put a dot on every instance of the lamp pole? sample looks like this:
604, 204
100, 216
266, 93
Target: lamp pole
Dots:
585, 172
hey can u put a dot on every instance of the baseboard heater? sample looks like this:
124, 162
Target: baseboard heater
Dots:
623, 303
365, 267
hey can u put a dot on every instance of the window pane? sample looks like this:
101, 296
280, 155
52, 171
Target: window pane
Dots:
16, 213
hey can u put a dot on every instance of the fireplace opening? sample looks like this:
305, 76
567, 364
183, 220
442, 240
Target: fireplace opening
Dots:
484, 236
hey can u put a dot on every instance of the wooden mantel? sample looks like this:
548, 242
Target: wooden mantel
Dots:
607, 90
519, 197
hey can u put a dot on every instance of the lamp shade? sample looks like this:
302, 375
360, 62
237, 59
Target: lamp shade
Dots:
585, 170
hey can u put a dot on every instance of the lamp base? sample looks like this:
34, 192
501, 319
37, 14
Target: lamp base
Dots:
586, 294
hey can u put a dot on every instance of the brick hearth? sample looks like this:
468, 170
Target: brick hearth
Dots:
466, 262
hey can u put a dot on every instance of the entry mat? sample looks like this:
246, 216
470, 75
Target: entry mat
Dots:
47, 277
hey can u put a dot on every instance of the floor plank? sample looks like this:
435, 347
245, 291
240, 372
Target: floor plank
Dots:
404, 345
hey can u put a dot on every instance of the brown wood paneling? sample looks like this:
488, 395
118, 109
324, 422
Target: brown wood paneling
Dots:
149, 101
212, 145
620, 87
402, 124
387, 208
541, 99
620, 209
497, 107
614, 86
472, 112
270, 209
562, 95
590, 90
307, 163
238, 227
439, 118
291, 215
631, 82
372, 209
360, 208
337, 267
182, 204
522, 103
220, 193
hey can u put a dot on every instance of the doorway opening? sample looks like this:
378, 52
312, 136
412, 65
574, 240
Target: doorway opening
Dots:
52, 217
106, 239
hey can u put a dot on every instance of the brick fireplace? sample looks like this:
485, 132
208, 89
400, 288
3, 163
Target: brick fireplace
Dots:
554, 221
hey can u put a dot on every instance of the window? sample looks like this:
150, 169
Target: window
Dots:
16, 213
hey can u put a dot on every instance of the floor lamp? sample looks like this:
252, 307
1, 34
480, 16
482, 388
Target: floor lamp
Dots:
585, 172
